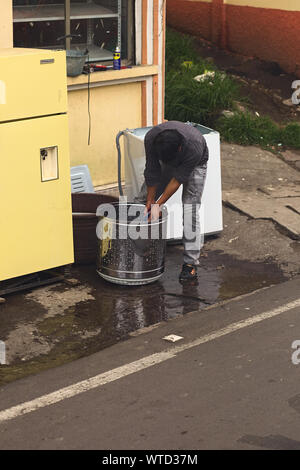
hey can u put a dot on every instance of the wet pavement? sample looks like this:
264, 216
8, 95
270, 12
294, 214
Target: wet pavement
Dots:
53, 325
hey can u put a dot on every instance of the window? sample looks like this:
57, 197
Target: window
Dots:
98, 25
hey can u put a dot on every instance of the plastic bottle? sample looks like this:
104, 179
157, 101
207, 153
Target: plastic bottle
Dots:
117, 59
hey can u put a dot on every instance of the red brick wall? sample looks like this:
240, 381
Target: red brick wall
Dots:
190, 17
266, 33
269, 34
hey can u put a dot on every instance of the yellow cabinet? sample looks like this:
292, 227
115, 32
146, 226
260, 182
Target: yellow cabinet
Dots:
35, 190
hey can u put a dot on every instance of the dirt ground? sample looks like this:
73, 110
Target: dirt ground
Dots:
264, 84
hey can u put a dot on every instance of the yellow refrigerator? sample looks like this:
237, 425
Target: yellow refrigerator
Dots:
35, 189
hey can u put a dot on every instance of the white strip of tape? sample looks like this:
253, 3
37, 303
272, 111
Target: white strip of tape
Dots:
2, 92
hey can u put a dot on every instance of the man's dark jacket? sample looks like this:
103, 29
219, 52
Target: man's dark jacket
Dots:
193, 152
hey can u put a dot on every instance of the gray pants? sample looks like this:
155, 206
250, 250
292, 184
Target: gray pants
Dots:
191, 200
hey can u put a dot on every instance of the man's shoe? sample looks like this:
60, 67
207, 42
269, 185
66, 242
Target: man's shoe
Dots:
188, 272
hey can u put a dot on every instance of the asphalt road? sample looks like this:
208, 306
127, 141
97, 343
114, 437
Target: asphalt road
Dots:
230, 383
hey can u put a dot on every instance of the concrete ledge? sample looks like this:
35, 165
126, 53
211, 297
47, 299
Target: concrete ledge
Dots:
112, 77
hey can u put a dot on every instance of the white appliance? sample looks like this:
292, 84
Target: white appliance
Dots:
211, 207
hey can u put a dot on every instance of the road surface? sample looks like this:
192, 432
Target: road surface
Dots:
231, 382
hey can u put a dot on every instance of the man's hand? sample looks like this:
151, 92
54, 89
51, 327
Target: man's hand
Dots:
152, 211
155, 212
151, 192
154, 206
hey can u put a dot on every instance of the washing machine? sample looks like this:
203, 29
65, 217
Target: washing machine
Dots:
211, 220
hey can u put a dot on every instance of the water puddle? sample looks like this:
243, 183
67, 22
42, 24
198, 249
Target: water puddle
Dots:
57, 324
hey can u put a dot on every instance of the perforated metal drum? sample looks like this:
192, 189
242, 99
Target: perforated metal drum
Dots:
131, 249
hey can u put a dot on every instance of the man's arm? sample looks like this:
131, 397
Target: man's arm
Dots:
151, 193
169, 191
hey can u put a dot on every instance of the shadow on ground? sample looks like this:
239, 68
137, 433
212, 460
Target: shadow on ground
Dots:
50, 326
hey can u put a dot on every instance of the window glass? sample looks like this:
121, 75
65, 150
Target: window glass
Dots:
38, 23
96, 25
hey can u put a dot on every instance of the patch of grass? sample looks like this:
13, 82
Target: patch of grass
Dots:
248, 129
186, 98
190, 100
203, 101
290, 135
179, 48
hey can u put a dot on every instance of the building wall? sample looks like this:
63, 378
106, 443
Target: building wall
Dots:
120, 99
268, 29
112, 115
190, 16
112, 108
6, 25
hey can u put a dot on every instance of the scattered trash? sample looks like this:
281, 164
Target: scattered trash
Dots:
208, 75
173, 338
288, 102
233, 239
228, 114
204, 76
2, 300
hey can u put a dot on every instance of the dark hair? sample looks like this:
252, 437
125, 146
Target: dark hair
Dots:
167, 144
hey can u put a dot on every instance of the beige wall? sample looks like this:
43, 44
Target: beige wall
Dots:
6, 25
113, 108
290, 5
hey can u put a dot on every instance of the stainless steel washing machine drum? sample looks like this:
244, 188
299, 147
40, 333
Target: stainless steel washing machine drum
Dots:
131, 248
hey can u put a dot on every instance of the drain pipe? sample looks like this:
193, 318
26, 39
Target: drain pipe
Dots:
119, 162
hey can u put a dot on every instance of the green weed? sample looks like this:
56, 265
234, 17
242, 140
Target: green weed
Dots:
203, 101
186, 98
249, 129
